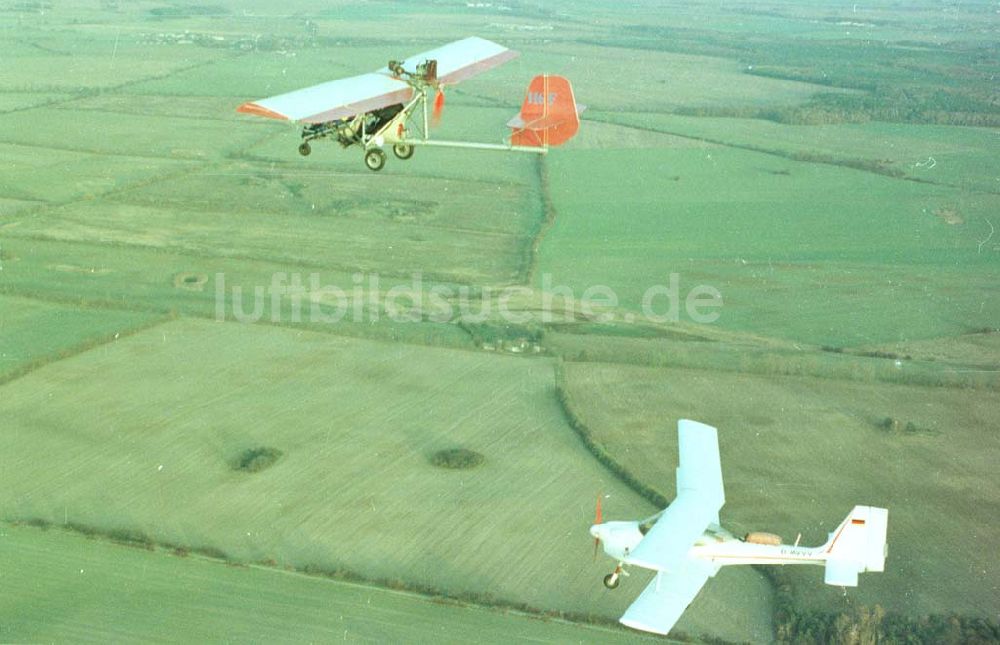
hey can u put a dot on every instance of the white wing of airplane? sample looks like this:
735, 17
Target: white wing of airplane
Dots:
665, 548
699, 497
663, 601
347, 97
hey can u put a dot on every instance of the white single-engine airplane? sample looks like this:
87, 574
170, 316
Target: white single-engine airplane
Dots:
389, 107
686, 546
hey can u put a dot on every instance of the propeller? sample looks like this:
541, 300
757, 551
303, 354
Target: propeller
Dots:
597, 520
438, 106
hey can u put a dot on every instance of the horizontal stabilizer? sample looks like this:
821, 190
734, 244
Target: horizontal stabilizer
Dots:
841, 573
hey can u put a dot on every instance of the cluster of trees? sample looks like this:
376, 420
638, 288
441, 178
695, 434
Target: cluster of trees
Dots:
908, 82
863, 625
498, 333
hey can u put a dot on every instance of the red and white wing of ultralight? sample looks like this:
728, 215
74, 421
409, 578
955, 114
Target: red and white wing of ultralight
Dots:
347, 97
332, 100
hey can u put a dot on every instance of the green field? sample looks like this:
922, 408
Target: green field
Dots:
33, 333
786, 243
354, 489
62, 587
830, 169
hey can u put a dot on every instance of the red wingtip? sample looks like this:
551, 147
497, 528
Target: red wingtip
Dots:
257, 110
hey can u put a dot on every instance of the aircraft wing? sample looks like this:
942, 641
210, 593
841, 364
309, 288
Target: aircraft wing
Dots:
667, 544
347, 97
699, 469
332, 100
665, 598
461, 59
699, 497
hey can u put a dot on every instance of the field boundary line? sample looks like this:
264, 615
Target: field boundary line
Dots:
345, 578
190, 253
597, 450
548, 212
100, 153
188, 166
88, 92
851, 164
81, 347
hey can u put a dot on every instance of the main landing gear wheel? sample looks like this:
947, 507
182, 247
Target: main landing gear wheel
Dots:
612, 580
403, 150
305, 149
375, 159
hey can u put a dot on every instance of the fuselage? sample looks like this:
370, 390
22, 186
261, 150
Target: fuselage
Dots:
716, 545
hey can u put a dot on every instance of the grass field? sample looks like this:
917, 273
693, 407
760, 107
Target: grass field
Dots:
62, 587
957, 156
784, 242
296, 223
798, 454
830, 169
33, 333
355, 488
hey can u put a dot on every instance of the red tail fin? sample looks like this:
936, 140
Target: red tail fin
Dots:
549, 115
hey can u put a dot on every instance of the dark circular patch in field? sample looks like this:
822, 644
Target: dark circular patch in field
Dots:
254, 460
192, 281
457, 459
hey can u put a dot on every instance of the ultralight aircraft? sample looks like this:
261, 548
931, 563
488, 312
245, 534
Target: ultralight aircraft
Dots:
389, 107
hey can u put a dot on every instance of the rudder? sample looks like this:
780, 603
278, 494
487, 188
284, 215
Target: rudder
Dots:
549, 115
858, 545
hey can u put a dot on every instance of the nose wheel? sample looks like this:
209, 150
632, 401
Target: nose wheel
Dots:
613, 579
